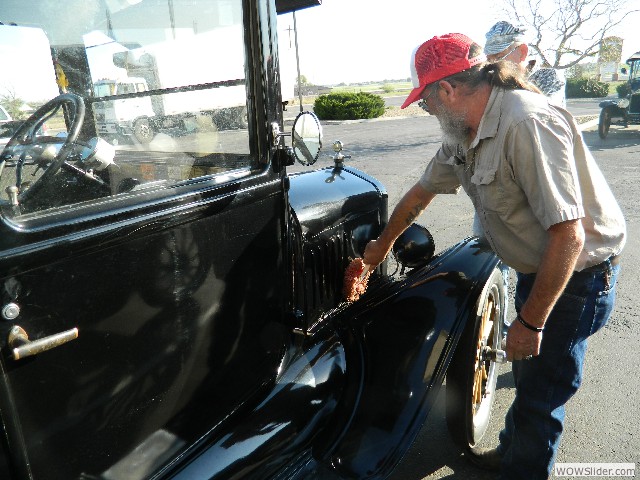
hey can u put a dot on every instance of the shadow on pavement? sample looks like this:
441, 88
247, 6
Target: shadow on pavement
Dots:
434, 455
618, 137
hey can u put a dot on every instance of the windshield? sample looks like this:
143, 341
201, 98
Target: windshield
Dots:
163, 81
634, 70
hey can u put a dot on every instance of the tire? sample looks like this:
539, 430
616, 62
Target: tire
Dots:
143, 131
604, 123
471, 380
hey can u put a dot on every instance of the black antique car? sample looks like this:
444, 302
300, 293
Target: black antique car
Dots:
173, 307
624, 111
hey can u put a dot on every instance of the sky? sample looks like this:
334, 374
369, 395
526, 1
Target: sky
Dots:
340, 41
369, 40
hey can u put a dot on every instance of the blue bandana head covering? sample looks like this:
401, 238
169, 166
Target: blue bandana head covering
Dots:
501, 35
547, 80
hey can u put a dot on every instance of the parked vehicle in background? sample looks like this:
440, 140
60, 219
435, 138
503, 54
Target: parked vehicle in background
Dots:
174, 308
155, 92
623, 111
4, 115
121, 118
134, 107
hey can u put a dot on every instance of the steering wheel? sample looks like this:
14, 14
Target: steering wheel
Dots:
31, 124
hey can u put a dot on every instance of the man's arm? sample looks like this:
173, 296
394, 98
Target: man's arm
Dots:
412, 204
566, 240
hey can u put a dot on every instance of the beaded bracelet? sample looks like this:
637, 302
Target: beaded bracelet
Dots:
528, 325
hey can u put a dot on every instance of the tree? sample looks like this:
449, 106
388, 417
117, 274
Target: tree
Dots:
13, 104
565, 32
303, 81
585, 69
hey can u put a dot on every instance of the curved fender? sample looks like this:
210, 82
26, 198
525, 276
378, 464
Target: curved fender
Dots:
402, 337
284, 423
608, 103
615, 108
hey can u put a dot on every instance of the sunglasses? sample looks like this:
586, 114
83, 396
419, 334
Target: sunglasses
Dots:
423, 102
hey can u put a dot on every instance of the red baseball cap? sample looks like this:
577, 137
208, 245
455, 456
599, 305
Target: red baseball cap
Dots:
438, 58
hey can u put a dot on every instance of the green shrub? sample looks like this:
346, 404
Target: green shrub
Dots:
388, 88
586, 88
348, 106
623, 90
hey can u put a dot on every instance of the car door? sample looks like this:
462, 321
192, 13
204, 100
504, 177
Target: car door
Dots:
141, 294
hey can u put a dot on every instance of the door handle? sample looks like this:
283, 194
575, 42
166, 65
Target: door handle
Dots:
22, 347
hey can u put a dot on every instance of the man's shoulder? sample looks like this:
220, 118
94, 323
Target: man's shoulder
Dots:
520, 104
523, 106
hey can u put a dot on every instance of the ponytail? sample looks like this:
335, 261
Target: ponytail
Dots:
506, 75
502, 74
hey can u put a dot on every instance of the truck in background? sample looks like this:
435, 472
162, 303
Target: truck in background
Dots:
119, 118
157, 91
142, 115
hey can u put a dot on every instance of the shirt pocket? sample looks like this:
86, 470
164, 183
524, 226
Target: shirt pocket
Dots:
489, 192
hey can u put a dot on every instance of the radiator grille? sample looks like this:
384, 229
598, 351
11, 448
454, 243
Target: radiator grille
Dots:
324, 264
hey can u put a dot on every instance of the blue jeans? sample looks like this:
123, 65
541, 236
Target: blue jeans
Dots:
533, 425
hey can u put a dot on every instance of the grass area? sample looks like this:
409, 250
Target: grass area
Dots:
613, 86
382, 89
390, 89
403, 88
57, 123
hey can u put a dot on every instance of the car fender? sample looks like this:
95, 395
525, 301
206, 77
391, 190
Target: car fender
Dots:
615, 108
399, 341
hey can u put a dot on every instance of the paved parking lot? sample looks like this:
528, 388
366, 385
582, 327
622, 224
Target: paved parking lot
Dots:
603, 419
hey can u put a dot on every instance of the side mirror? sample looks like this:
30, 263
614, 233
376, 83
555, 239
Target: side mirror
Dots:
306, 138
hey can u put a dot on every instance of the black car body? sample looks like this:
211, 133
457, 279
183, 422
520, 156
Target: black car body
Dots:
173, 308
624, 111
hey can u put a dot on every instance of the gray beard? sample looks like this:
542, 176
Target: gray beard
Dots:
454, 128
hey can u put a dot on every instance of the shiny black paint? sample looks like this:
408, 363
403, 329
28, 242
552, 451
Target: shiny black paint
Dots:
212, 319
286, 422
405, 333
167, 336
333, 218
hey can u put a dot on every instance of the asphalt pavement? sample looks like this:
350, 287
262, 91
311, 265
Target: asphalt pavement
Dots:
603, 419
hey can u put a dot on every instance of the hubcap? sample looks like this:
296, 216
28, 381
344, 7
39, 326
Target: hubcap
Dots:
486, 369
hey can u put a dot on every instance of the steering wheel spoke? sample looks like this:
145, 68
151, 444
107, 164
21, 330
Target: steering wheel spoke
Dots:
49, 157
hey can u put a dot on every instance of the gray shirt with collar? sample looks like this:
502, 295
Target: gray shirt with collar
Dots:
527, 169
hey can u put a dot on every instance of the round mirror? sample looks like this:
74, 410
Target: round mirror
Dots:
307, 138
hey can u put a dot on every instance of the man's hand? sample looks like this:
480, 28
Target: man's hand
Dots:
522, 342
410, 206
375, 253
564, 245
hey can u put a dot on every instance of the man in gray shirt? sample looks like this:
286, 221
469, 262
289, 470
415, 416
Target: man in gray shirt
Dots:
546, 210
